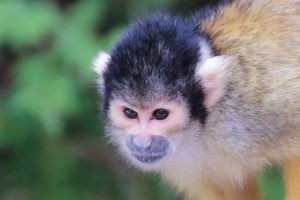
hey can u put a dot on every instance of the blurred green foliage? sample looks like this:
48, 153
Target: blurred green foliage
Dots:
51, 136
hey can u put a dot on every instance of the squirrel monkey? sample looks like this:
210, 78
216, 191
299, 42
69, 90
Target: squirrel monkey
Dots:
208, 101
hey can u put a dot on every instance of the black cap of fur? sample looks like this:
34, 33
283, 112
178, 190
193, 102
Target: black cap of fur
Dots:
156, 58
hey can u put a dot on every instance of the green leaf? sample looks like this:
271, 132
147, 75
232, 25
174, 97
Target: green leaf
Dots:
44, 92
26, 23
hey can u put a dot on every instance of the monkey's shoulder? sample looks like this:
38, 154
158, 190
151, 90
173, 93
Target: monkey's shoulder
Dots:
253, 24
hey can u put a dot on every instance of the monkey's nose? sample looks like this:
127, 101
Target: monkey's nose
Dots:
142, 141
147, 149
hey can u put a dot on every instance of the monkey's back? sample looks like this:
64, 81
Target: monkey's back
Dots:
263, 36
251, 28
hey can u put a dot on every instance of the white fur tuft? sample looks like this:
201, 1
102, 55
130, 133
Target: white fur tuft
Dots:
100, 62
99, 66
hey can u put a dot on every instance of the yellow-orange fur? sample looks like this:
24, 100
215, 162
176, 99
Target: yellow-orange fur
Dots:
258, 23
292, 178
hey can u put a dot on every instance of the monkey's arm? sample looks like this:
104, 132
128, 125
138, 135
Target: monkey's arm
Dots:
250, 191
292, 177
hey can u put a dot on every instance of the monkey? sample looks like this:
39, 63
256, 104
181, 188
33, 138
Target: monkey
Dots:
210, 100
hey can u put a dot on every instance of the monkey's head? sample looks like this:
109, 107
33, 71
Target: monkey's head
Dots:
158, 84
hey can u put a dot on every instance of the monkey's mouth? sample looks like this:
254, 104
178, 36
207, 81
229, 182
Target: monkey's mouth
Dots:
147, 157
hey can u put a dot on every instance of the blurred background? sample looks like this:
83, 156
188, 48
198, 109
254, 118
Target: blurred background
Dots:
52, 144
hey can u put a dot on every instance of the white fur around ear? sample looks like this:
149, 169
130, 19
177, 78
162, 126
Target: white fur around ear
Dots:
99, 65
100, 62
212, 76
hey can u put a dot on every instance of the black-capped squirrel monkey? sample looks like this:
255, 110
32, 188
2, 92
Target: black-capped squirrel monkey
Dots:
208, 101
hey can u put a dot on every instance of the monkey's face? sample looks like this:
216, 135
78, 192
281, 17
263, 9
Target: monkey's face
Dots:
146, 134
157, 85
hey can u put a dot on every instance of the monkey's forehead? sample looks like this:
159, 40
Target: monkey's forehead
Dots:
145, 102
147, 81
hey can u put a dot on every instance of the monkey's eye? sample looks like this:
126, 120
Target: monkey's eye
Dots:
129, 113
160, 114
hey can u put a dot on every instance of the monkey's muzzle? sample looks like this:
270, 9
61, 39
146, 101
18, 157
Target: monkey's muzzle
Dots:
147, 149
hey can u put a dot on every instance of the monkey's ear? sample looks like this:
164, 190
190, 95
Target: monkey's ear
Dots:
99, 65
211, 73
